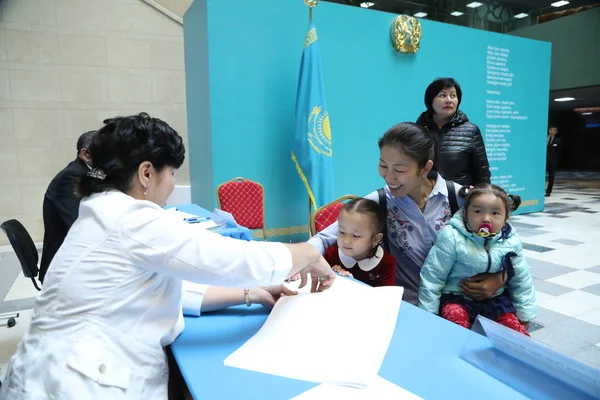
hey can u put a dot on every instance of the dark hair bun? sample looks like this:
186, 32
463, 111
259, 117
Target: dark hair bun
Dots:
514, 202
122, 144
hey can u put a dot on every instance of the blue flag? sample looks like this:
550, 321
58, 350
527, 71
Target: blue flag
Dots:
311, 151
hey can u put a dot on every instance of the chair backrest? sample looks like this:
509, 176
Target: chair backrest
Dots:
23, 246
245, 200
327, 214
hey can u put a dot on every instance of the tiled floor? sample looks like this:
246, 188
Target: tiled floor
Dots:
562, 246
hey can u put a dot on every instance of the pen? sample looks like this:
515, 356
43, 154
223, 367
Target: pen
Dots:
194, 220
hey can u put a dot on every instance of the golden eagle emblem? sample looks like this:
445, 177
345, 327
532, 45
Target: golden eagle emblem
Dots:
406, 34
319, 131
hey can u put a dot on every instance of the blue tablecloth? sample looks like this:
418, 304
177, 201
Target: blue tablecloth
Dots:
423, 357
231, 230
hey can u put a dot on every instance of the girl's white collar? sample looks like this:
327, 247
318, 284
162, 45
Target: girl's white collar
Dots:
366, 265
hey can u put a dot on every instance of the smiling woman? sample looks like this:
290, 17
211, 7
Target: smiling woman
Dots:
415, 200
459, 150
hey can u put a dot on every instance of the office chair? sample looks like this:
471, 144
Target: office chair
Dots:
245, 200
326, 215
24, 248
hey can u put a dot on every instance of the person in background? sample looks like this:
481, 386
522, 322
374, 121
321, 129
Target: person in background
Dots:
460, 154
417, 206
358, 253
478, 240
112, 299
553, 151
61, 205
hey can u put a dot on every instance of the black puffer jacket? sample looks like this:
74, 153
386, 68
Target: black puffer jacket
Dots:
460, 153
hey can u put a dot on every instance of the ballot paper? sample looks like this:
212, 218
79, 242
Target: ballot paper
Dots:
375, 388
205, 224
342, 335
223, 217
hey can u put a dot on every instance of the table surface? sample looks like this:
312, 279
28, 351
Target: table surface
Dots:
236, 231
423, 357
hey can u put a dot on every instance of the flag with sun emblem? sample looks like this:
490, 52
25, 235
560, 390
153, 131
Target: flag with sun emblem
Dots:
311, 150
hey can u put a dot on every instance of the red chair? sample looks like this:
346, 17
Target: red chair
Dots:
327, 214
245, 200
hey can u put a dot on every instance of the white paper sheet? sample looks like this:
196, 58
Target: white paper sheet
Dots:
223, 217
342, 334
209, 224
377, 388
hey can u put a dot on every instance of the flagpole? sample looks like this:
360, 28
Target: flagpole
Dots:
310, 4
312, 203
309, 216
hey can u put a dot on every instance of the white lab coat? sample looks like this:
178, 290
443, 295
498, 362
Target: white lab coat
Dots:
112, 300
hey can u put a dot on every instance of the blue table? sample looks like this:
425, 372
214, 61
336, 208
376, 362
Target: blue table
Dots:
230, 230
423, 357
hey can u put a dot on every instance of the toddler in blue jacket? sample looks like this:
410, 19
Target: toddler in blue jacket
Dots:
479, 239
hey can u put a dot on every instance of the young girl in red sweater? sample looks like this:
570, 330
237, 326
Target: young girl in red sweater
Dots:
361, 226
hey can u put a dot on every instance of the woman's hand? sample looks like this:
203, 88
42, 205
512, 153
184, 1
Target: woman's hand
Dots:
321, 275
525, 324
306, 260
267, 296
482, 286
294, 278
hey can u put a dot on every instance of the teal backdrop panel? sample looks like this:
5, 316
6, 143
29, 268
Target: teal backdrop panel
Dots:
242, 64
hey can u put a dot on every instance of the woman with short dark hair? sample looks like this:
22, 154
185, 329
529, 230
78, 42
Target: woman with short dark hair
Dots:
460, 154
112, 299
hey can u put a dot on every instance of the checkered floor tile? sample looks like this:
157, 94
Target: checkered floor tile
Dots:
561, 248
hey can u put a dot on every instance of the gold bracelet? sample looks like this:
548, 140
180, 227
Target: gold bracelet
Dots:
247, 297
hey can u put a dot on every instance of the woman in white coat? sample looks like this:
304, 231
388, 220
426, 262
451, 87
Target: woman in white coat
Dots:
112, 298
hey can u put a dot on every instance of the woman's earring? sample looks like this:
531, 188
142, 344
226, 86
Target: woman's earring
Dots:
145, 191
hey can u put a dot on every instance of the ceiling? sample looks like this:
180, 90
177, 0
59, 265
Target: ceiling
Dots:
535, 6
585, 97
545, 4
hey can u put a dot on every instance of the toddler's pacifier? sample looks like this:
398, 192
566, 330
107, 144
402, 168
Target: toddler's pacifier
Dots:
485, 230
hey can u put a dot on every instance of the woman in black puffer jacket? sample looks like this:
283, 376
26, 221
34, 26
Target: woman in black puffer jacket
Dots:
460, 153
